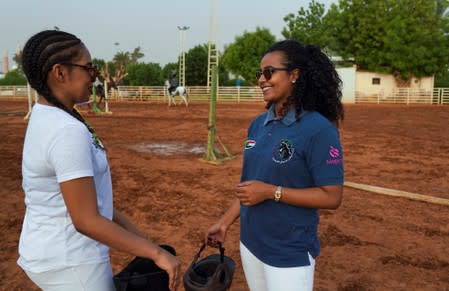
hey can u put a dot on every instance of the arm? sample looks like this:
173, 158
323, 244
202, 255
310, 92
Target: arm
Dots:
124, 222
80, 199
218, 231
326, 197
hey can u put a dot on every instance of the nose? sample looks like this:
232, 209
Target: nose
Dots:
261, 77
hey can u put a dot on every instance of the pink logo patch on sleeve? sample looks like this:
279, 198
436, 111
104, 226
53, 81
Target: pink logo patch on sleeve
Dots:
333, 152
335, 159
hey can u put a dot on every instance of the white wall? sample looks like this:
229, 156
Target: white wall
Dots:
348, 78
364, 83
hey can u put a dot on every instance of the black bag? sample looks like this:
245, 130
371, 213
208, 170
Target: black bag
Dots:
143, 274
213, 273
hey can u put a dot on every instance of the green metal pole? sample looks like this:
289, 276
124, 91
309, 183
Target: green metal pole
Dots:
210, 152
95, 108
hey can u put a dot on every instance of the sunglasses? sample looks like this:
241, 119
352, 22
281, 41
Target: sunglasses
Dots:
268, 72
92, 70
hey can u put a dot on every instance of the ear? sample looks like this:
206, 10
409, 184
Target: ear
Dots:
294, 75
58, 72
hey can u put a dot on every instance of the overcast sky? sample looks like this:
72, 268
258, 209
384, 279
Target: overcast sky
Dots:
150, 24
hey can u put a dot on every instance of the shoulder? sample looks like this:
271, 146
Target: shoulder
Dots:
53, 120
315, 122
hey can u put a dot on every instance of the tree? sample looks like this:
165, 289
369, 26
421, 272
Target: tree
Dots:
17, 58
242, 57
196, 66
122, 59
13, 78
403, 37
168, 70
144, 74
136, 55
441, 8
307, 26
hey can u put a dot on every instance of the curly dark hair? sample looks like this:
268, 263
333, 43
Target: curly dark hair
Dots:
318, 87
41, 52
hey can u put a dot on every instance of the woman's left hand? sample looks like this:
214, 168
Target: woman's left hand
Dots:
254, 192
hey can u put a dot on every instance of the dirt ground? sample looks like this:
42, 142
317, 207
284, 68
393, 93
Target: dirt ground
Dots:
372, 242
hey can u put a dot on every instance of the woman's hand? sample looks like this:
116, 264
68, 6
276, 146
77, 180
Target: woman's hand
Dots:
216, 233
172, 265
254, 192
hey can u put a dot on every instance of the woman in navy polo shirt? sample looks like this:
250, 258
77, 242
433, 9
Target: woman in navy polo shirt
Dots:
292, 167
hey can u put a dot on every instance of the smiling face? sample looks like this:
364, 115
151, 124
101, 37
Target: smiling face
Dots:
280, 86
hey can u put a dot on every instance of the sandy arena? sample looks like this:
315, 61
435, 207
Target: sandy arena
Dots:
372, 242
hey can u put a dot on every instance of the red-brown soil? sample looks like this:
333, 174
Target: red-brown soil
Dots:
372, 242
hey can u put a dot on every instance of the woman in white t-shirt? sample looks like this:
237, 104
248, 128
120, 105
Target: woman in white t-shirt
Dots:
70, 221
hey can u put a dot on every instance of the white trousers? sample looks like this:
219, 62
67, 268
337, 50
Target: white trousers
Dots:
262, 277
92, 277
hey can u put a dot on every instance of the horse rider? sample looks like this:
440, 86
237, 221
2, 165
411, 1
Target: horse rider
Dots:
173, 84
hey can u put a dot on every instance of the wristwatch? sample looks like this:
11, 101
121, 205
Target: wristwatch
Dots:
278, 194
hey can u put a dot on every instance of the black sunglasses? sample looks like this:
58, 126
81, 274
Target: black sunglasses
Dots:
92, 70
268, 72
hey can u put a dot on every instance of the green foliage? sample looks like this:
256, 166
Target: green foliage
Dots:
17, 58
442, 80
196, 65
99, 62
403, 37
136, 55
168, 70
307, 26
242, 57
127, 58
144, 74
13, 78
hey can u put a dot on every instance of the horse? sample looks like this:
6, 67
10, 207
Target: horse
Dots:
181, 91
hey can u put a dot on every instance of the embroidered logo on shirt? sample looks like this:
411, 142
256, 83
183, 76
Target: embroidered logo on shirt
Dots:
335, 159
283, 151
250, 143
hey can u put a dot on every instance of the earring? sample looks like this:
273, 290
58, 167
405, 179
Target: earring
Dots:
294, 81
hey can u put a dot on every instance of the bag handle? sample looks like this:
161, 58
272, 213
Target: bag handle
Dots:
220, 247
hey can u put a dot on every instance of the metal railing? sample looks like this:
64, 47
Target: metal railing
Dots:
404, 96
245, 94
195, 93
13, 91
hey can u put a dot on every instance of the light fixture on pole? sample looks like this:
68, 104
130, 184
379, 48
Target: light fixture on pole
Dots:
182, 55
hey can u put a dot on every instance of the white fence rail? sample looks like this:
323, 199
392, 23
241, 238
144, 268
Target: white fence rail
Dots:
245, 94
404, 96
195, 93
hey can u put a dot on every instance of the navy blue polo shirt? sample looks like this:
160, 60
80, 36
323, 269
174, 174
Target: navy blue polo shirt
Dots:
293, 152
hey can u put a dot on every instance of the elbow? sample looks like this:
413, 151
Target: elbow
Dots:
335, 204
84, 225
335, 199
81, 227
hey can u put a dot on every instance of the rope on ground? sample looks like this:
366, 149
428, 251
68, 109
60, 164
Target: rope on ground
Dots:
398, 193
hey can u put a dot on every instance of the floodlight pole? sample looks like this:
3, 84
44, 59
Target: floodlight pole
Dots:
212, 52
182, 55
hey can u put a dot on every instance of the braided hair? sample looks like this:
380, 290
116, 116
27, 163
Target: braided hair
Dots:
41, 52
318, 87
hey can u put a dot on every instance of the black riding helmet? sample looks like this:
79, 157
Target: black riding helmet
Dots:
213, 273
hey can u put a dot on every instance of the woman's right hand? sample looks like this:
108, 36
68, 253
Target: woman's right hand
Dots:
216, 233
172, 265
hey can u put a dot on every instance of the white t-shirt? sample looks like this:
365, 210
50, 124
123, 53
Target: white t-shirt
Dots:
59, 148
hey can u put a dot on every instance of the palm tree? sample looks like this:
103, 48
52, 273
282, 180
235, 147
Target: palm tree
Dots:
122, 59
